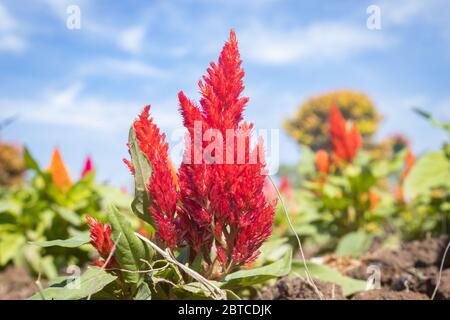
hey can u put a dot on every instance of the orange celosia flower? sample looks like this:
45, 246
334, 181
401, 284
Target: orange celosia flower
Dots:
346, 143
374, 199
410, 160
59, 172
322, 161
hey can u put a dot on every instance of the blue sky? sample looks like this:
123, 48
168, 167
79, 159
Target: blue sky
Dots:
81, 89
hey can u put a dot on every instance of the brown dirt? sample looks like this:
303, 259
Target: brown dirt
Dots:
300, 289
412, 267
407, 273
385, 294
16, 284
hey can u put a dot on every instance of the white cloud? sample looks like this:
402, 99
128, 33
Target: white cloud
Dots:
128, 38
132, 39
10, 38
319, 41
122, 67
68, 107
401, 12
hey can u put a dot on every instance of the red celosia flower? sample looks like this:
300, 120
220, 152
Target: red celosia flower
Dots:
219, 205
225, 201
322, 161
285, 187
88, 167
345, 142
161, 187
101, 240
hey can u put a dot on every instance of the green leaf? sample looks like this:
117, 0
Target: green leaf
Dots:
272, 250
349, 286
9, 246
306, 165
30, 163
354, 244
130, 250
259, 275
69, 215
191, 291
142, 174
433, 121
432, 170
67, 243
90, 282
114, 196
143, 292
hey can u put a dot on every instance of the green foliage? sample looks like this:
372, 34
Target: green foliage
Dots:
427, 191
430, 172
349, 286
70, 288
354, 244
259, 275
130, 253
35, 215
142, 174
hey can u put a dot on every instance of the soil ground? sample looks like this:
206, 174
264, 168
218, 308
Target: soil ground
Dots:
16, 284
407, 273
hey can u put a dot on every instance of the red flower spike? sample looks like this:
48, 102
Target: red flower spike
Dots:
221, 206
101, 239
88, 167
322, 161
161, 187
229, 194
346, 143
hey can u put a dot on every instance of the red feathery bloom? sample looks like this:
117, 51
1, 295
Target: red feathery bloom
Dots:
345, 142
161, 187
101, 240
225, 200
217, 201
88, 167
322, 161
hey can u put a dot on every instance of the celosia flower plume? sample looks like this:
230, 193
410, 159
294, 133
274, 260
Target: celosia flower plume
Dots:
59, 172
410, 160
346, 142
101, 240
212, 205
88, 167
322, 161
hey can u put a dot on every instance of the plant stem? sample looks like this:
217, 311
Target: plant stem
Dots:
216, 292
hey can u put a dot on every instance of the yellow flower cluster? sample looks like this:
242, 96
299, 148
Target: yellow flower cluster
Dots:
309, 126
12, 166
